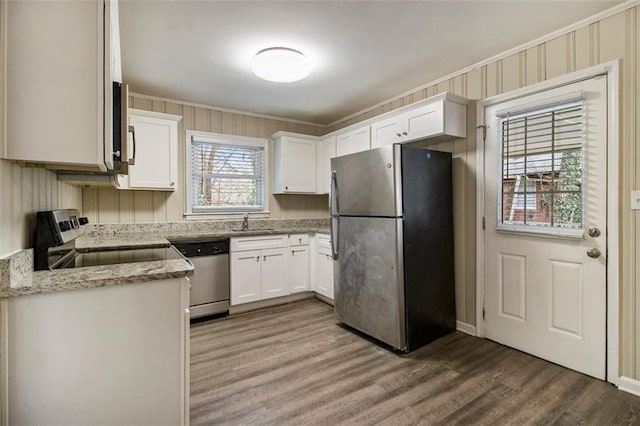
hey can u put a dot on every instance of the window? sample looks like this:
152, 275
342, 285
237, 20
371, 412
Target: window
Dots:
226, 173
542, 166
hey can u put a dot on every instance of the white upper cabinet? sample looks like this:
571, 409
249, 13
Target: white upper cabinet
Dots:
438, 118
386, 132
353, 141
326, 151
154, 150
294, 163
61, 59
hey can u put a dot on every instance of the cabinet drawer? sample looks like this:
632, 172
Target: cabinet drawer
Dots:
259, 242
323, 240
299, 239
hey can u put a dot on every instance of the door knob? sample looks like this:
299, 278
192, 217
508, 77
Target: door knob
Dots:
594, 232
594, 253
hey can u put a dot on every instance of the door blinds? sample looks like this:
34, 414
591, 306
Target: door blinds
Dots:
542, 165
226, 176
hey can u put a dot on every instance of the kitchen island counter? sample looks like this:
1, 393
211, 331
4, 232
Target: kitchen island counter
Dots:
36, 282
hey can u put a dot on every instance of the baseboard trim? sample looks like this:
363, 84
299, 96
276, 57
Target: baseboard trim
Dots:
466, 328
627, 384
267, 303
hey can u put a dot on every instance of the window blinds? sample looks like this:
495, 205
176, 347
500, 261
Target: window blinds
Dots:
542, 165
226, 176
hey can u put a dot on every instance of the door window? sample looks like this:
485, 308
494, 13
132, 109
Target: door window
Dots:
542, 153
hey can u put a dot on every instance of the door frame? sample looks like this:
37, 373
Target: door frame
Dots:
612, 71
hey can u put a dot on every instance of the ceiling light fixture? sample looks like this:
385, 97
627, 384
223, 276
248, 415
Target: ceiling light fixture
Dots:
281, 65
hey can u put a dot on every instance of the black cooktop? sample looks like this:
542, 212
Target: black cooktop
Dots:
73, 259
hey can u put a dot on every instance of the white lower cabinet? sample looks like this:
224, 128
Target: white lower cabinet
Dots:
269, 266
246, 276
299, 268
275, 273
259, 268
322, 271
108, 355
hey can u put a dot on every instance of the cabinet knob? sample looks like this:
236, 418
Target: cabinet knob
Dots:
172, 184
293, 253
405, 133
398, 134
257, 258
300, 240
286, 187
265, 258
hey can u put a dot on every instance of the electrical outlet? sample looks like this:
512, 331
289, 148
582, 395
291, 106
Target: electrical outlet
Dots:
635, 200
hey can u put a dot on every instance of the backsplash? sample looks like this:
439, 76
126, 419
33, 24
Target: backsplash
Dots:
203, 227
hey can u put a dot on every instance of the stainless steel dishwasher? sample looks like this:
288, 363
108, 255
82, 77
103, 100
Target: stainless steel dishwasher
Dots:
210, 279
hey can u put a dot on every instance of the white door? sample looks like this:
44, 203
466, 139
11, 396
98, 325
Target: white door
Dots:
324, 272
326, 151
299, 269
345, 144
362, 139
386, 132
245, 276
545, 238
300, 165
275, 272
156, 152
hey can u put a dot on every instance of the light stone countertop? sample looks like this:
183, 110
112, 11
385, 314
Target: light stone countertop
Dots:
18, 278
98, 276
125, 242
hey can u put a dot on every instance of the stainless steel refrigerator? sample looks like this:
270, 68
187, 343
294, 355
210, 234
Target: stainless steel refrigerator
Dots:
392, 236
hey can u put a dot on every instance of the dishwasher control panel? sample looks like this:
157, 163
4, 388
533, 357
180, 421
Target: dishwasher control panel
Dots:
202, 248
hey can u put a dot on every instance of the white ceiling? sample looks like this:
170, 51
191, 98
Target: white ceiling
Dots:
362, 52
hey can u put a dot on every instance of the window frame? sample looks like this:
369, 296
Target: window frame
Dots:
226, 212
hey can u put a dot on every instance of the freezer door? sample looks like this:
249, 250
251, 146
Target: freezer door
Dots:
369, 287
368, 183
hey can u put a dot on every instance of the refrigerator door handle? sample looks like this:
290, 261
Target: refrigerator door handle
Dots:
333, 207
334, 237
333, 195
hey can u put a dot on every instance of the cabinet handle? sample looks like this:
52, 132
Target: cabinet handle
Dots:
405, 133
132, 160
300, 240
398, 134
293, 253
265, 258
257, 258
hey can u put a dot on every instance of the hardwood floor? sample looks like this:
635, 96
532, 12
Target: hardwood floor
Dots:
293, 364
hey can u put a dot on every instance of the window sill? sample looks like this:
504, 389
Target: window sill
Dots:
573, 234
226, 215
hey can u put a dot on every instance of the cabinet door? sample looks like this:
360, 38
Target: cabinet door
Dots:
245, 276
275, 273
362, 139
324, 272
299, 269
299, 165
100, 339
156, 153
424, 121
386, 132
344, 144
326, 151
54, 92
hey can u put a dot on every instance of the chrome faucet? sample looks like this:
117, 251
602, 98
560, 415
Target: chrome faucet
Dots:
245, 222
